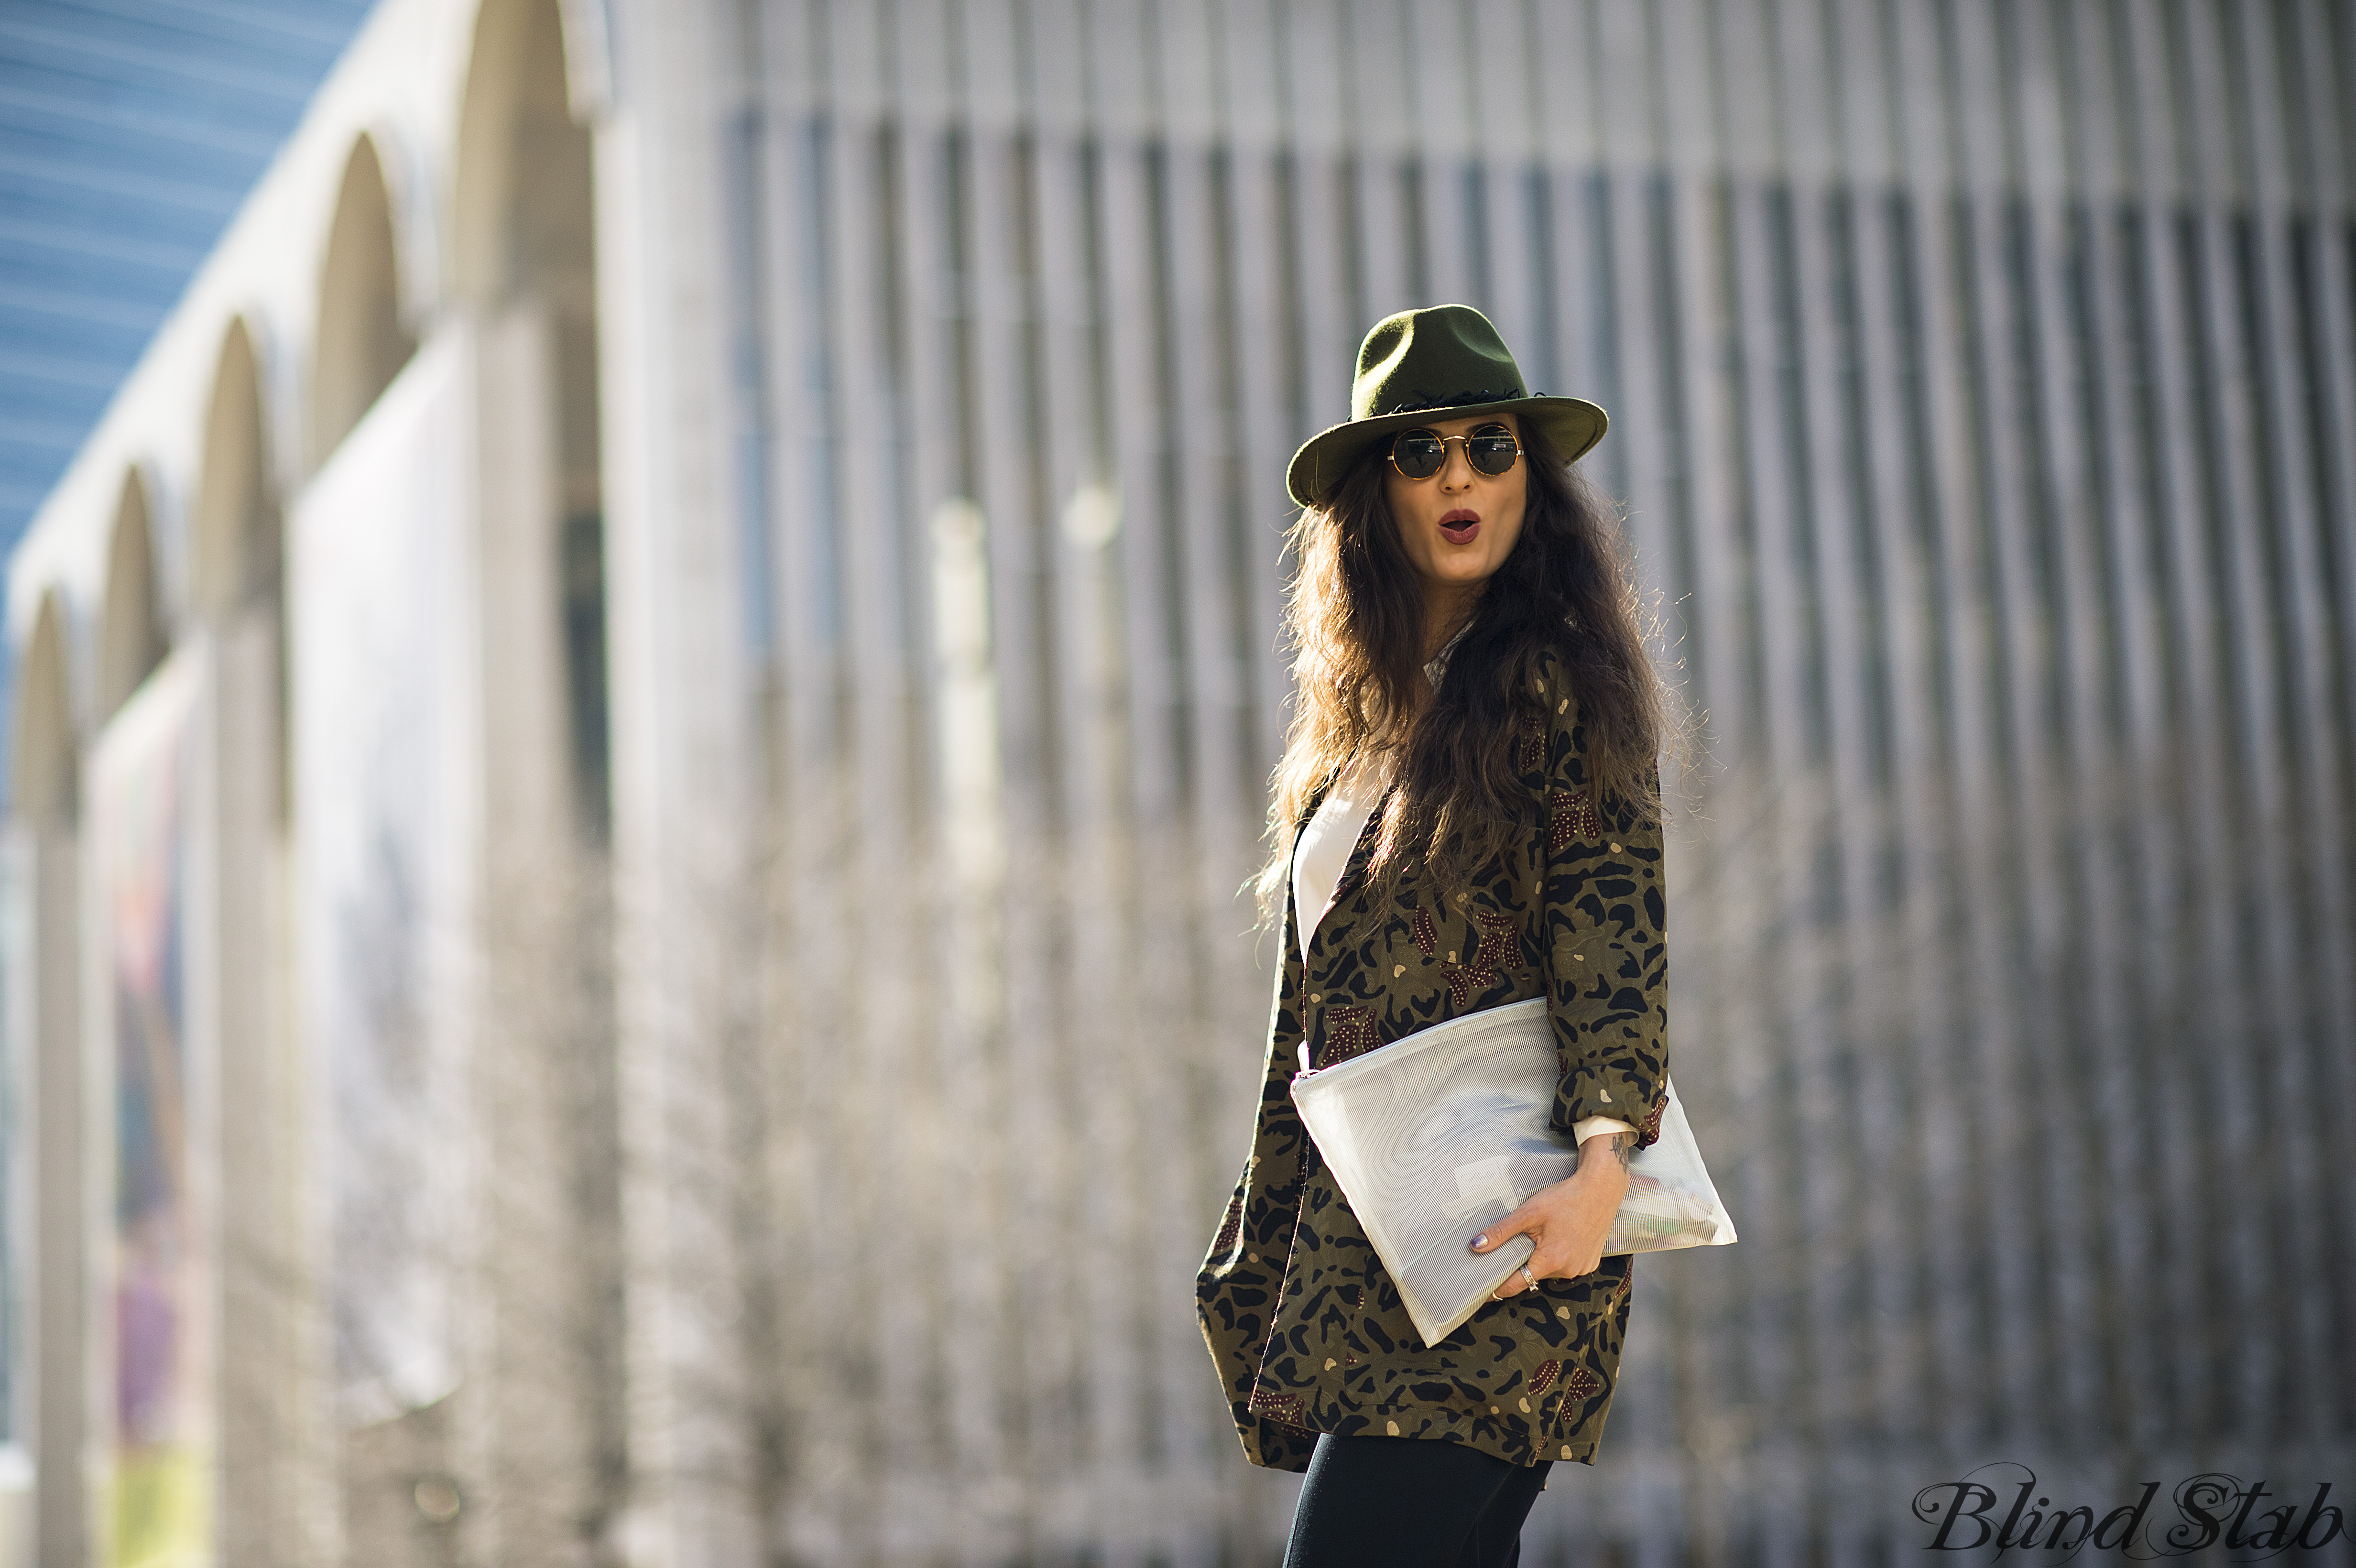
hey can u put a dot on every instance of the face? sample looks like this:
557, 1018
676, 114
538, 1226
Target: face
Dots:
1459, 526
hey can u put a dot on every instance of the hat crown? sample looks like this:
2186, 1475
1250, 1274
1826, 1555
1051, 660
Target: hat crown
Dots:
1442, 356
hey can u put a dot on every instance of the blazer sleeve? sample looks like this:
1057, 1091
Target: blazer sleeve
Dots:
1605, 921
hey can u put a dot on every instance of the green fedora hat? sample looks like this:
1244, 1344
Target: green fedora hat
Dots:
1446, 361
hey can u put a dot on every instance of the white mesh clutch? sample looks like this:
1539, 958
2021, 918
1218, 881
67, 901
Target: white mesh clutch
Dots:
1436, 1136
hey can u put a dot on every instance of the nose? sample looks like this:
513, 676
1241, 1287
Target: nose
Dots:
1456, 472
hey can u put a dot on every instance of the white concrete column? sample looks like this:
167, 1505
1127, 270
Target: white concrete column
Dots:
56, 1350
684, 744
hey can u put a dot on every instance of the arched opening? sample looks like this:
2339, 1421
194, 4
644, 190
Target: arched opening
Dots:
361, 343
130, 640
524, 188
234, 534
46, 765
524, 244
523, 268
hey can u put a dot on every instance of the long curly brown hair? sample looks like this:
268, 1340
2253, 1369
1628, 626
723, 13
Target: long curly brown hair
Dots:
1355, 623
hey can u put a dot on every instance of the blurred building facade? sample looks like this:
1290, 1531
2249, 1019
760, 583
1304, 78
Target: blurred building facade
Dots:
635, 741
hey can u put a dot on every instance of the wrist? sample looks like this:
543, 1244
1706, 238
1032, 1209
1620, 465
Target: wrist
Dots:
1606, 1156
1596, 1164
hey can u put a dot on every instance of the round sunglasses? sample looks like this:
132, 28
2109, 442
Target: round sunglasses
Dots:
1420, 454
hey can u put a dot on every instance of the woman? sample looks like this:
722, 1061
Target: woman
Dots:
1467, 814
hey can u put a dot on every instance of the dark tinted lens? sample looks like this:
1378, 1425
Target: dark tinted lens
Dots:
1418, 454
1492, 451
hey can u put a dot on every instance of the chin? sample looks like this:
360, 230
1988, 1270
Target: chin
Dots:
1464, 574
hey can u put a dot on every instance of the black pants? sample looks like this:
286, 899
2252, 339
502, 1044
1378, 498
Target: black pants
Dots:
1407, 1502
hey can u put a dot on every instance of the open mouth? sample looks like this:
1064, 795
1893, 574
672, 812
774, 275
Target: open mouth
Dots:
1460, 526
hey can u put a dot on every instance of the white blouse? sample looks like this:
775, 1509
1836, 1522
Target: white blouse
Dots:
1322, 853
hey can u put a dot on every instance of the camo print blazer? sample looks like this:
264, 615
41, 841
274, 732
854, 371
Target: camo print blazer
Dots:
1306, 1328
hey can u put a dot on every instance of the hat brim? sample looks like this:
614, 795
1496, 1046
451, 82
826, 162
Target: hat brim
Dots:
1571, 424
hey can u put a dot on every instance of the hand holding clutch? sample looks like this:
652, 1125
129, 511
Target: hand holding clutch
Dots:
1466, 1105
1568, 1221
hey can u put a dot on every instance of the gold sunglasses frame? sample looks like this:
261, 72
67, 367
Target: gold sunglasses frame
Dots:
1392, 455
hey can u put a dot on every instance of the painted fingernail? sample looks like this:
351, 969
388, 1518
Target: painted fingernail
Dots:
1480, 1241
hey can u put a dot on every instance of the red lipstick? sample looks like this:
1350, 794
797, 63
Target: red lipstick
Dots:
1461, 525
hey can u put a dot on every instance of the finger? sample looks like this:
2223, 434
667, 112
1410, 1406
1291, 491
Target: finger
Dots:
1544, 1264
1521, 1221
